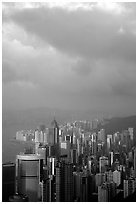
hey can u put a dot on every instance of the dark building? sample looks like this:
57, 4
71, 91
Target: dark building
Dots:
84, 189
91, 187
64, 182
53, 139
53, 133
8, 181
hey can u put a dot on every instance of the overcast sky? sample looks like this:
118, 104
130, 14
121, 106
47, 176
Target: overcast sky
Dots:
69, 56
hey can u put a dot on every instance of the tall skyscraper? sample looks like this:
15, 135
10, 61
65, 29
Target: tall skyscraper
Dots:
111, 158
101, 135
51, 163
53, 136
84, 189
29, 172
129, 187
64, 182
73, 156
131, 133
103, 164
102, 194
117, 177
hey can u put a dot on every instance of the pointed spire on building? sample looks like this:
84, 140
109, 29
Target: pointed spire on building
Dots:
54, 123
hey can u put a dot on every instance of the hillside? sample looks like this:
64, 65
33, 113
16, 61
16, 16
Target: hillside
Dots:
118, 124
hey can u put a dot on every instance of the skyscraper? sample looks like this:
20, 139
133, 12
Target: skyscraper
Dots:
84, 189
64, 182
102, 194
103, 163
117, 177
29, 171
54, 132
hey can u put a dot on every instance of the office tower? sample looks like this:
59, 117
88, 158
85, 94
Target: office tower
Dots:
130, 156
73, 156
45, 190
89, 165
51, 150
117, 137
103, 164
48, 189
101, 135
77, 183
91, 187
54, 132
68, 182
111, 158
65, 150
64, 182
110, 140
116, 156
51, 136
58, 183
106, 192
36, 147
131, 133
45, 185
129, 187
74, 139
42, 151
125, 188
95, 124
29, 172
51, 163
68, 138
126, 139
100, 178
117, 177
84, 189
109, 176
111, 187
108, 143
52, 188
94, 144
102, 194
99, 147
8, 181
78, 147
45, 137
37, 136
41, 136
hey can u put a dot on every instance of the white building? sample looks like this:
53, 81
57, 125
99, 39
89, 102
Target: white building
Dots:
117, 177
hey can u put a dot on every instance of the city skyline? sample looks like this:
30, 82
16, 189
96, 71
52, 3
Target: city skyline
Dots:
74, 162
69, 56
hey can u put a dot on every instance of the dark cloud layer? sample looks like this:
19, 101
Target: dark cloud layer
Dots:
71, 58
91, 34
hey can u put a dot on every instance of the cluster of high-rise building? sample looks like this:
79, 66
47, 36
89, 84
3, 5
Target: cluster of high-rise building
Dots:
73, 162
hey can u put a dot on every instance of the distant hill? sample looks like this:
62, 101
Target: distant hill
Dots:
118, 124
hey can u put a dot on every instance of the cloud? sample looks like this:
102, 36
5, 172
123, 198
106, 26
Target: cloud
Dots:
82, 67
72, 57
91, 33
8, 74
